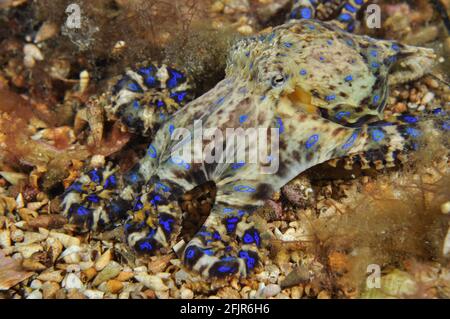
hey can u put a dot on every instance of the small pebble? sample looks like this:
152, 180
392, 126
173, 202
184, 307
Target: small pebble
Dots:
445, 208
54, 276
152, 282
109, 272
245, 30
72, 282
186, 293
36, 294
428, 97
114, 286
94, 294
36, 284
217, 7
296, 292
17, 236
49, 290
31, 54
271, 290
104, 259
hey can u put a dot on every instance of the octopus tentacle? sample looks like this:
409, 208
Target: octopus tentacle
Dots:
227, 244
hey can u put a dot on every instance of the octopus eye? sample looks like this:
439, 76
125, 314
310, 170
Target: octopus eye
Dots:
278, 80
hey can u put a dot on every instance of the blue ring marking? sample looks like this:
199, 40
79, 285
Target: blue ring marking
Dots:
155, 200
162, 186
377, 135
136, 104
374, 53
120, 84
350, 8
303, 72
83, 211
228, 258
349, 42
321, 58
152, 151
228, 210
76, 186
413, 132
146, 71
409, 119
138, 205
306, 13
243, 118
348, 78
375, 99
244, 189
243, 90
231, 224
180, 162
219, 101
133, 177
262, 98
251, 236
216, 235
190, 253
178, 96
174, 77
208, 251
375, 64
248, 239
279, 124
93, 175
160, 103
249, 261
345, 17
329, 42
145, 246
339, 115
166, 223
437, 111
287, 44
205, 234
311, 27
227, 269
359, 2
395, 47
312, 140
330, 97
271, 37
350, 141
392, 59
134, 87
446, 125
237, 165
241, 213
150, 81
247, 54
293, 14
171, 128
93, 198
